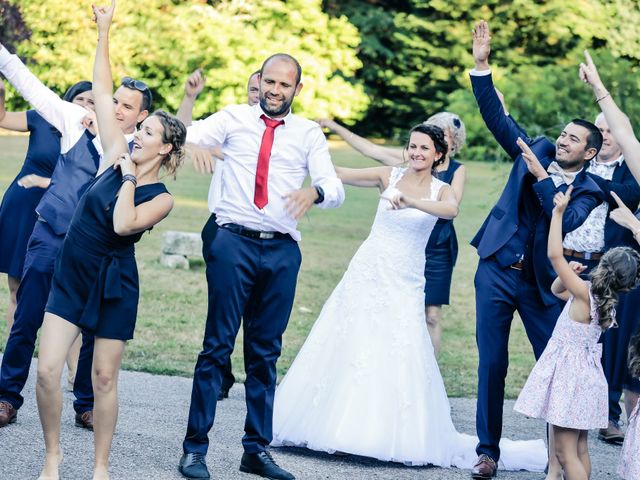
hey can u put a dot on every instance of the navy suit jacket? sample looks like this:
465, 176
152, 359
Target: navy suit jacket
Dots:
626, 187
504, 218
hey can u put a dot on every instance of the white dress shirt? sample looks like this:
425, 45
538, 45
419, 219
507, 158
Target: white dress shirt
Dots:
299, 149
589, 237
65, 116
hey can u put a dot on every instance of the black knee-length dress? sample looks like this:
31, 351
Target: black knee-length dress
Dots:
95, 283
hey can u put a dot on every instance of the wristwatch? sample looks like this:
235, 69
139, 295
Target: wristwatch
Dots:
320, 192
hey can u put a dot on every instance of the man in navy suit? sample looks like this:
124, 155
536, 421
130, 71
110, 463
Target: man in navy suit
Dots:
514, 272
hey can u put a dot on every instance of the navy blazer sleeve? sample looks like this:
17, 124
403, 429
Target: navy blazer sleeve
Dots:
504, 128
627, 189
578, 209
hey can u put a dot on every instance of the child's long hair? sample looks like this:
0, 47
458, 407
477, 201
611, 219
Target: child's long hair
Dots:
618, 271
634, 356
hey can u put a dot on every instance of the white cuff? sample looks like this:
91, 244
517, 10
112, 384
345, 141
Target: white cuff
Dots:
479, 73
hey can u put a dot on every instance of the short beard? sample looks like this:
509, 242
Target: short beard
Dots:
286, 105
571, 164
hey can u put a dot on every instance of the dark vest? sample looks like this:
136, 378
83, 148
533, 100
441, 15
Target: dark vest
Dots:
74, 170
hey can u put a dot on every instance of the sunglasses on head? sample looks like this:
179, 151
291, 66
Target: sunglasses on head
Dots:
456, 122
137, 85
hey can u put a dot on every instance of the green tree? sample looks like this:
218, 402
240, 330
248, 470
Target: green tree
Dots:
162, 41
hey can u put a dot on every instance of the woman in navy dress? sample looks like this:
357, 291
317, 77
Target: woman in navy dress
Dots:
95, 282
17, 211
442, 248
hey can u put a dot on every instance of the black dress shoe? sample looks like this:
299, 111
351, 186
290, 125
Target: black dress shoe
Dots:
263, 464
224, 393
192, 465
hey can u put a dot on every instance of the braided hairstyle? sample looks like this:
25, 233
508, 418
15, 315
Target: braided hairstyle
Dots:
439, 142
174, 133
618, 271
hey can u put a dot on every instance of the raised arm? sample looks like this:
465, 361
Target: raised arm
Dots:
365, 177
619, 123
16, 121
192, 88
113, 142
503, 127
385, 155
566, 274
64, 116
624, 216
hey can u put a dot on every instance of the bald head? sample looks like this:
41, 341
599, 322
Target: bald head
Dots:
284, 57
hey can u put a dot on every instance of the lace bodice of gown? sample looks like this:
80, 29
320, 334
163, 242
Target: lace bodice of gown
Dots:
403, 234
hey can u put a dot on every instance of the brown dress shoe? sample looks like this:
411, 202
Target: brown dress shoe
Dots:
8, 414
85, 420
611, 434
485, 467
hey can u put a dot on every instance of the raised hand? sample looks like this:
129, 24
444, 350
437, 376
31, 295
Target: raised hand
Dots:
481, 45
624, 216
533, 164
103, 16
194, 84
561, 200
589, 73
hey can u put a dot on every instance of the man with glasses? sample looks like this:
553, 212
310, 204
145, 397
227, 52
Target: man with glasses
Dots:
77, 166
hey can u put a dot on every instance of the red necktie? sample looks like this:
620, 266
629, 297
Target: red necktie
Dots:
261, 195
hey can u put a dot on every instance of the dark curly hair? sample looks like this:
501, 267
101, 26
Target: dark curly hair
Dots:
618, 271
634, 356
174, 133
439, 141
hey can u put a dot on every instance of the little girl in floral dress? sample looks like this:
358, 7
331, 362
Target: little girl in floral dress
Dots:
629, 466
567, 386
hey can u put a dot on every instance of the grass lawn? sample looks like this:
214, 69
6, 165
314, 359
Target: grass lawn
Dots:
173, 302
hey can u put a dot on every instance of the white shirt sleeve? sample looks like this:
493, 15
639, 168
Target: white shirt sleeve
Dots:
64, 116
209, 132
321, 170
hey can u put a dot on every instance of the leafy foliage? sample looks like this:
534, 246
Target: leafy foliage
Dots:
162, 41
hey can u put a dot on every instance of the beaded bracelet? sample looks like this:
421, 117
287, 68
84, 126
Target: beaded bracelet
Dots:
130, 178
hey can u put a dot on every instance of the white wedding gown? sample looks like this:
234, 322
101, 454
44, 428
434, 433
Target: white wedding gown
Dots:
366, 380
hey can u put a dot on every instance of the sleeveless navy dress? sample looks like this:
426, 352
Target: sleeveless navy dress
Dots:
95, 282
441, 252
18, 208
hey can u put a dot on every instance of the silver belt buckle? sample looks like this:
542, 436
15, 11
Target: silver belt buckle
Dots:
587, 255
266, 235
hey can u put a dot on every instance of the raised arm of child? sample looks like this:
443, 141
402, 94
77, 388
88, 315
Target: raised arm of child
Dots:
567, 279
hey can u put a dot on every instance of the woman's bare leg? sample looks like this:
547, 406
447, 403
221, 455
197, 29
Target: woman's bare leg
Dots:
14, 284
72, 362
55, 341
107, 356
434, 324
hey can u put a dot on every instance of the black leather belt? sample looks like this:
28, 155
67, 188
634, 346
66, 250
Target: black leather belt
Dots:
585, 255
257, 234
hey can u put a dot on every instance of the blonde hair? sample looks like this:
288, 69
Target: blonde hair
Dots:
174, 133
453, 123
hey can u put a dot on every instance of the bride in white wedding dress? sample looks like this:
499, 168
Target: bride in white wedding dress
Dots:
366, 380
